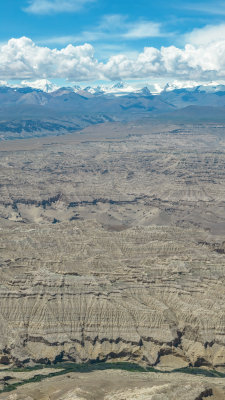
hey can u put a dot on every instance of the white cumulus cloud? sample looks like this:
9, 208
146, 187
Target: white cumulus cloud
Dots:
23, 59
54, 6
206, 35
192, 62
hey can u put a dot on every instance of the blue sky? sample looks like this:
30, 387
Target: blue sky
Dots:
57, 27
120, 29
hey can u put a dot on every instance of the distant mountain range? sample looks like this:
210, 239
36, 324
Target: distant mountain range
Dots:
118, 88
46, 109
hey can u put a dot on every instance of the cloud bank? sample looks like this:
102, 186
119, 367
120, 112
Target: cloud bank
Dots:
23, 59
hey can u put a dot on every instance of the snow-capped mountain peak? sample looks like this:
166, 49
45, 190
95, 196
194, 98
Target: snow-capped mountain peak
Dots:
193, 86
41, 84
118, 85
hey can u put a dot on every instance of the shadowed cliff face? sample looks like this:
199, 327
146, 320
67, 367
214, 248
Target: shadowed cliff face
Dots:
112, 247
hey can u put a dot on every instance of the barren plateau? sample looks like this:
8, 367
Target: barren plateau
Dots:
112, 246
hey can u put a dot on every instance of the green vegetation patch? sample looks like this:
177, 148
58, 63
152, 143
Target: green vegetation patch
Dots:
67, 367
200, 371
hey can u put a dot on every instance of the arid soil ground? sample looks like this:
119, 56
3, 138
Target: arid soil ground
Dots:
112, 247
117, 385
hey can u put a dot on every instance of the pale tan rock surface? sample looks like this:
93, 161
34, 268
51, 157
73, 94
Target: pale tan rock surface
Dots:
120, 385
113, 249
